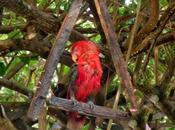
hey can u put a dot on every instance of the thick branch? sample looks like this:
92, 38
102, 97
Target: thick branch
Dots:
43, 20
152, 37
83, 108
117, 57
34, 45
54, 57
46, 22
168, 37
152, 21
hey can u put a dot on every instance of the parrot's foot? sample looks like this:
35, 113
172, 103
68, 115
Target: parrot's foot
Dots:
91, 105
74, 101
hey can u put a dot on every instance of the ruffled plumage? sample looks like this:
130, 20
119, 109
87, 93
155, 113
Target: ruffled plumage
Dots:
89, 73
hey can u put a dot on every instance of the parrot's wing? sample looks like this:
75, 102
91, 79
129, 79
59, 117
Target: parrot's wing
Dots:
60, 90
72, 77
72, 74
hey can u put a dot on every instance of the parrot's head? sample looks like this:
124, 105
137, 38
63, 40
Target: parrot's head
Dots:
81, 47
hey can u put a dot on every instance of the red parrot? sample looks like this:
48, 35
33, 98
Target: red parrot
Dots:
87, 79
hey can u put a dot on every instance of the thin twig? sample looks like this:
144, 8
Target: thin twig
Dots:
115, 106
133, 31
16, 87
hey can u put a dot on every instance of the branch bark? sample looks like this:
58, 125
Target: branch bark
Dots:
117, 57
34, 45
152, 37
83, 108
151, 23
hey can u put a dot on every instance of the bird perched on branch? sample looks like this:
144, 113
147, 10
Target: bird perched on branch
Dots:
86, 78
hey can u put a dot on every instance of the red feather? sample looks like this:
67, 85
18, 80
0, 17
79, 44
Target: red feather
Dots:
89, 73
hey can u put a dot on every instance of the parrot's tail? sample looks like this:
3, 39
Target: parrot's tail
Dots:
75, 121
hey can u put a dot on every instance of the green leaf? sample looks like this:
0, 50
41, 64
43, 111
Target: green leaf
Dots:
42, 3
25, 59
123, 10
96, 38
16, 34
2, 68
86, 127
65, 5
163, 3
34, 58
173, 128
3, 36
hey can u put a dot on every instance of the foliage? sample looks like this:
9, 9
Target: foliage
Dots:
30, 60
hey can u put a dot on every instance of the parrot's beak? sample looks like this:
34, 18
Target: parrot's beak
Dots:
74, 58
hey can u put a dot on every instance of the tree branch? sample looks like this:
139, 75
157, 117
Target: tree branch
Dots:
46, 22
117, 57
38, 100
83, 108
34, 45
14, 86
151, 23
152, 37
43, 20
